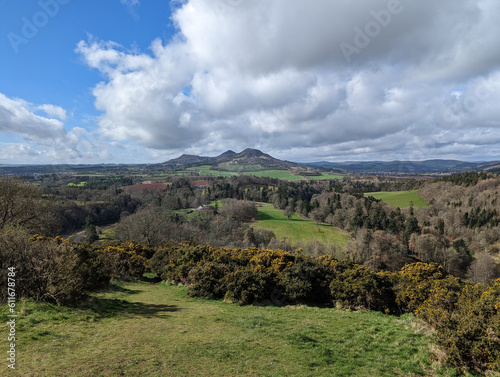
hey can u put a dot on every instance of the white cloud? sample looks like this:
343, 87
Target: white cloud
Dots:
37, 139
52, 110
17, 118
272, 75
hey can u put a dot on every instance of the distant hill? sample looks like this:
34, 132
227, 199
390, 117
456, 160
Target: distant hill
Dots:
249, 159
409, 167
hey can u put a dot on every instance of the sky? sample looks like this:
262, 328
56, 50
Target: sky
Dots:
143, 81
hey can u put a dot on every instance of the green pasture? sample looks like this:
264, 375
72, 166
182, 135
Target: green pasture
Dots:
296, 229
401, 199
325, 176
278, 174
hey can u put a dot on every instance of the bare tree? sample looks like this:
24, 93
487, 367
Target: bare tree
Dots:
146, 227
482, 270
288, 212
241, 210
21, 205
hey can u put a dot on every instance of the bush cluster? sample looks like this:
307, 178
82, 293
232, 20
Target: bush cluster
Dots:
124, 260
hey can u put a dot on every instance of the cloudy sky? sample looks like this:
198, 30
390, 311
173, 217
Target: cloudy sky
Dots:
134, 81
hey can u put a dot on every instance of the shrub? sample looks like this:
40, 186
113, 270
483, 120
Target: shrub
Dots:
471, 336
304, 282
248, 287
208, 280
415, 282
123, 262
358, 286
52, 270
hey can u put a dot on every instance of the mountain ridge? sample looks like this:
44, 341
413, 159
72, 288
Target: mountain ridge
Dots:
248, 156
255, 157
425, 166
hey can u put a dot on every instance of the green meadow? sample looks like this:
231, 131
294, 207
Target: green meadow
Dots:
205, 170
278, 174
296, 229
287, 176
139, 329
325, 176
401, 199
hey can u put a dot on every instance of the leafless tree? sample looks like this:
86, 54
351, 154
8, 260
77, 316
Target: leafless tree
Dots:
482, 270
21, 205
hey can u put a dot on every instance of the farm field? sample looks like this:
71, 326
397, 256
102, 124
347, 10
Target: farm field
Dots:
278, 174
401, 199
326, 176
287, 176
297, 228
141, 329
237, 168
205, 170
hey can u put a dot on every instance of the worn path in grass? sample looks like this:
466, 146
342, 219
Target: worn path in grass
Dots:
297, 228
140, 329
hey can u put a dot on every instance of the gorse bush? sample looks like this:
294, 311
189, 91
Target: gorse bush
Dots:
123, 261
415, 282
246, 286
466, 318
357, 286
207, 280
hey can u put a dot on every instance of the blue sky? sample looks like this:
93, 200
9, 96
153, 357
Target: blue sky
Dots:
87, 81
45, 69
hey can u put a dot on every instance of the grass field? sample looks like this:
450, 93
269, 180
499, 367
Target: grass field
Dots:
278, 174
287, 176
297, 228
237, 168
205, 170
325, 176
140, 329
234, 170
399, 199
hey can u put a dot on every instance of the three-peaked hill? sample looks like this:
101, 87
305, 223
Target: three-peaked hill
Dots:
247, 160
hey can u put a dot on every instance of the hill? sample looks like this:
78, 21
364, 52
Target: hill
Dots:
246, 161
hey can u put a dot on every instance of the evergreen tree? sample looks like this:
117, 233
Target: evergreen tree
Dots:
90, 231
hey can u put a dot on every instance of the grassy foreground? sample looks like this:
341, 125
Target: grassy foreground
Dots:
297, 228
401, 199
140, 329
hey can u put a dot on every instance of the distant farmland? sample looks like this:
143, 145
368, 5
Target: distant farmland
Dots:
401, 199
287, 176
